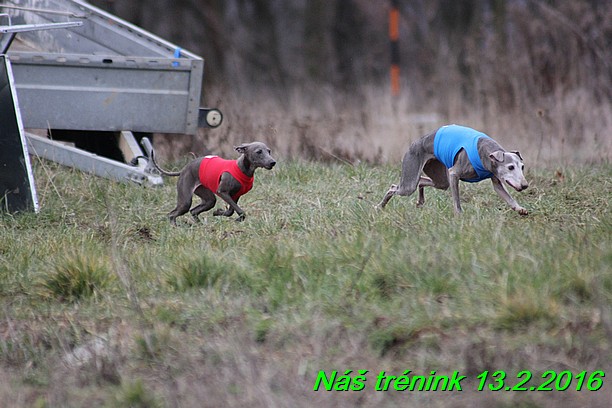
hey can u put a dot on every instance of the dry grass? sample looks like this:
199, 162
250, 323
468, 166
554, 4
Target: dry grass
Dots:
560, 129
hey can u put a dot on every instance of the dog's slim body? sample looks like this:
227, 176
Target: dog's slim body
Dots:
253, 155
486, 159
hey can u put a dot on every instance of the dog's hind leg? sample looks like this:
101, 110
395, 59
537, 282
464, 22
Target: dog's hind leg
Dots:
184, 195
423, 182
437, 178
208, 202
181, 208
412, 164
419, 153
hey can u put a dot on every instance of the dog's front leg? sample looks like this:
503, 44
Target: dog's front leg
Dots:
503, 193
453, 180
233, 206
228, 212
228, 185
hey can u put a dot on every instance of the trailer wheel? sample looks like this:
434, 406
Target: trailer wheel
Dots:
210, 118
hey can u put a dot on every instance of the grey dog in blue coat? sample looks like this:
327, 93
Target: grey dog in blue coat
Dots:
454, 153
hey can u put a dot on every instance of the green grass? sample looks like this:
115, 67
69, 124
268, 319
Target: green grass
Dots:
76, 276
247, 314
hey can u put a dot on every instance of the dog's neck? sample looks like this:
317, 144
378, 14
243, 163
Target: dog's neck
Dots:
245, 165
485, 148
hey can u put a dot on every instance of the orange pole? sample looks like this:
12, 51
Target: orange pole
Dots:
394, 24
395, 80
394, 39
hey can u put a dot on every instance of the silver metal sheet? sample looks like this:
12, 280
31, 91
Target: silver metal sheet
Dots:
124, 96
106, 75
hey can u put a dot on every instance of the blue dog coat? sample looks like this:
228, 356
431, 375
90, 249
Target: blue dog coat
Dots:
449, 140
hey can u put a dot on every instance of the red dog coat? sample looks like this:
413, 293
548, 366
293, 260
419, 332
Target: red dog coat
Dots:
211, 169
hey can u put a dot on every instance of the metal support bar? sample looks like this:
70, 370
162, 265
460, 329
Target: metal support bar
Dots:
130, 149
22, 28
89, 162
45, 11
150, 168
146, 143
12, 30
11, 37
133, 154
8, 43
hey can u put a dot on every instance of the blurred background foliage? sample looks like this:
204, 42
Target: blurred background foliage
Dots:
543, 64
543, 45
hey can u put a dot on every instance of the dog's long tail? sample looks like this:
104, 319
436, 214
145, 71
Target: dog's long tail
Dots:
162, 171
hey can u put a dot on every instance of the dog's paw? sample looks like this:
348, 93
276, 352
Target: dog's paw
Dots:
241, 218
522, 211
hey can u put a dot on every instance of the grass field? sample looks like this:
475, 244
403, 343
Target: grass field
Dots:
104, 303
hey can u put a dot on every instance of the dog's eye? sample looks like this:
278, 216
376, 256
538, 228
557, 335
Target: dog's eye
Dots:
511, 167
259, 151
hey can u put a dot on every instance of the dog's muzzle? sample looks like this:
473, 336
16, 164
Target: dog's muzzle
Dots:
521, 187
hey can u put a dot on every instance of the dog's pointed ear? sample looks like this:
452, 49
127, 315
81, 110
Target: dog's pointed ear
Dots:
242, 148
498, 156
518, 154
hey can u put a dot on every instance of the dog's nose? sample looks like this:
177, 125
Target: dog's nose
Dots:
272, 164
524, 186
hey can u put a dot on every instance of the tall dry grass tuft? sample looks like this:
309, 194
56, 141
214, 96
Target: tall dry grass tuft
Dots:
77, 276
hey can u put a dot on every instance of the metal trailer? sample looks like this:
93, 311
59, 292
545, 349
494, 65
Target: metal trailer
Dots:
104, 75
